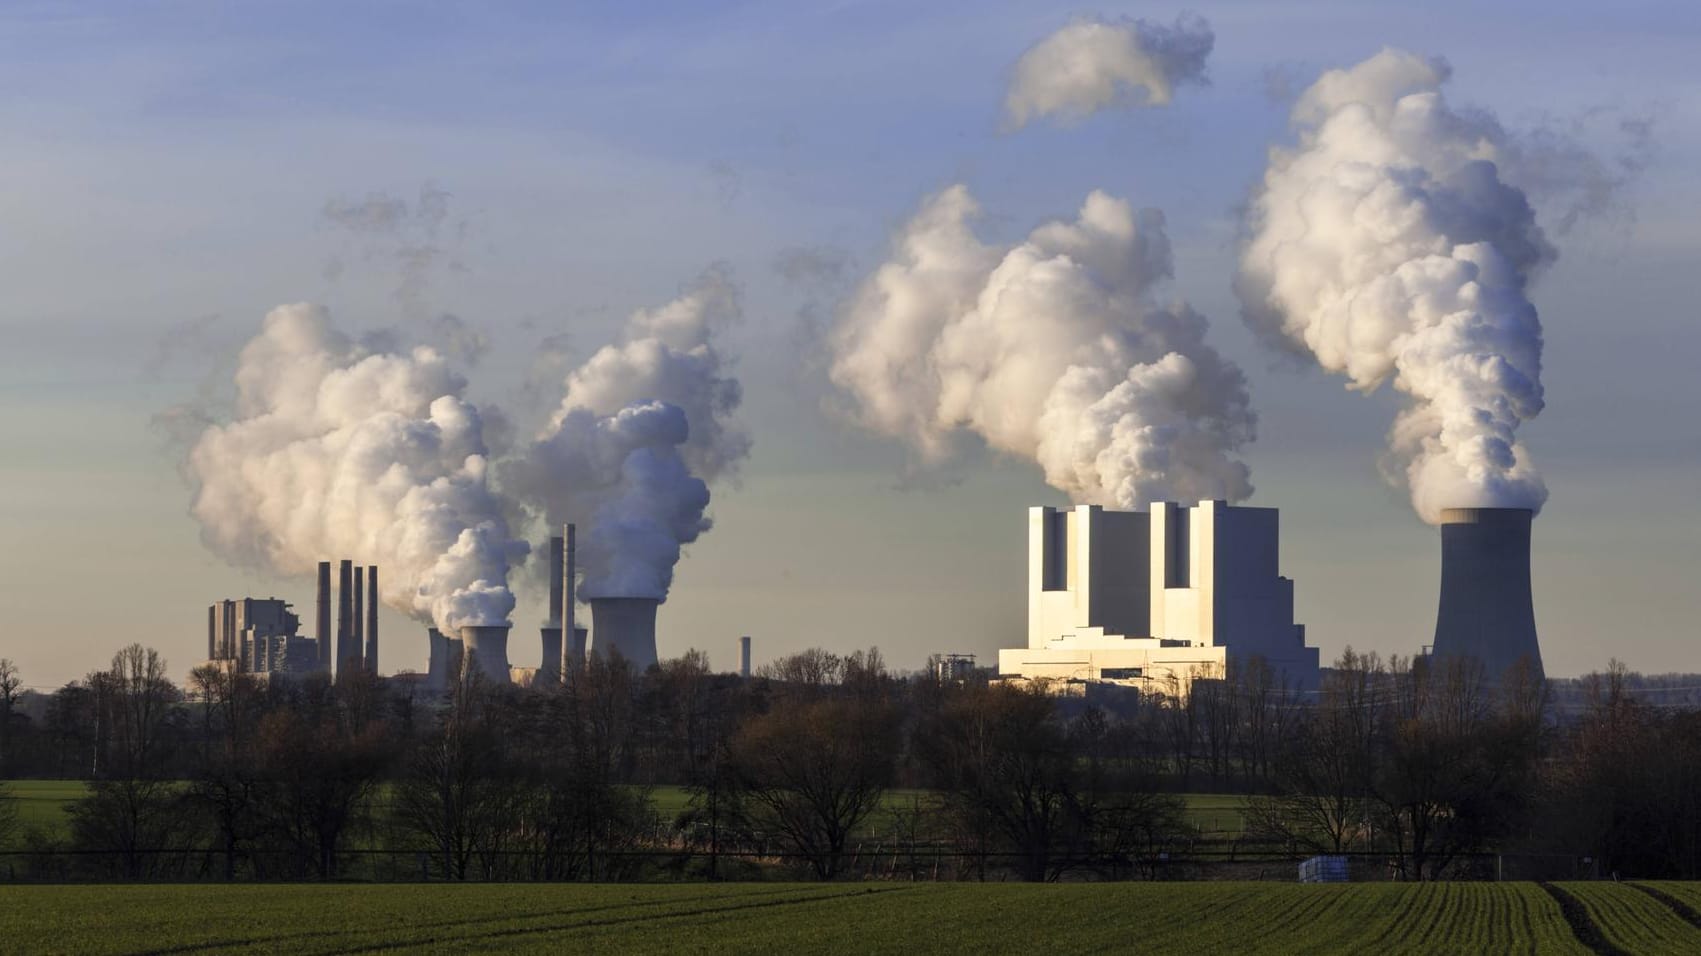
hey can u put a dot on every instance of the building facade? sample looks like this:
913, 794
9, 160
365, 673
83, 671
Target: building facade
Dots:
1156, 599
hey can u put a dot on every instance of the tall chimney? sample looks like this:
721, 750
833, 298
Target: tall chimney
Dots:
212, 632
627, 626
744, 657
549, 668
323, 624
345, 615
372, 619
1486, 610
358, 633
574, 645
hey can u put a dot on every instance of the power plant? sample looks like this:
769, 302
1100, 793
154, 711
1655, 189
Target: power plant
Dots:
625, 626
1486, 609
263, 636
1157, 599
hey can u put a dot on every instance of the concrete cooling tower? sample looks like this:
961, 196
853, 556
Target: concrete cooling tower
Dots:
627, 625
488, 645
1487, 611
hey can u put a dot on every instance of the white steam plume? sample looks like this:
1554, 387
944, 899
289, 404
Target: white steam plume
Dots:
1388, 246
1057, 350
339, 452
1094, 64
644, 426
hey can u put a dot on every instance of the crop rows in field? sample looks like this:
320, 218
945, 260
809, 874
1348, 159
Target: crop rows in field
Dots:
1635, 921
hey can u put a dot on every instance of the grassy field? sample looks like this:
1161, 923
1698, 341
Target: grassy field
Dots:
822, 918
41, 804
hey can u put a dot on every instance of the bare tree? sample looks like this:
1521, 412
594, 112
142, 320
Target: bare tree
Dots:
10, 683
811, 772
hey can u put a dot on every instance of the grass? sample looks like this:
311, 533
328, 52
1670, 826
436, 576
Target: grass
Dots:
42, 803
1388, 919
1635, 921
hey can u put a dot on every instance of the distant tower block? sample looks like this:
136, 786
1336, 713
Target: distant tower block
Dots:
744, 657
1486, 610
626, 625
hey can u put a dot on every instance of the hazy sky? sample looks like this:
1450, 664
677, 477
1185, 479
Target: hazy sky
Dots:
167, 170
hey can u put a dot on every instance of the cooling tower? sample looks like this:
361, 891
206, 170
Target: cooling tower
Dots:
1486, 609
488, 645
549, 670
437, 671
627, 625
323, 634
577, 641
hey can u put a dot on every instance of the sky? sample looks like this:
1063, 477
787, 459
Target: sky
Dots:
169, 168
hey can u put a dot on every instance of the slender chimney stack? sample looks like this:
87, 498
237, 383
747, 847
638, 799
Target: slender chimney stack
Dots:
744, 657
372, 619
549, 669
574, 646
1486, 610
358, 635
345, 615
323, 623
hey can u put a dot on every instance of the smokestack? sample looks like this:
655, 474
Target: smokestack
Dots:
212, 631
488, 645
626, 625
1487, 611
358, 634
345, 615
372, 619
569, 605
549, 669
323, 624
744, 657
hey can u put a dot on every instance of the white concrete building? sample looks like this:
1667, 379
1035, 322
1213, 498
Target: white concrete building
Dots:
1155, 599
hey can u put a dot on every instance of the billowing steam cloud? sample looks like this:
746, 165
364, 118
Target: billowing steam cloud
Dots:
1057, 350
1094, 64
644, 426
337, 451
1387, 244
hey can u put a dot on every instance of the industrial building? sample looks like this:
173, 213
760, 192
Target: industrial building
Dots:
1156, 599
262, 636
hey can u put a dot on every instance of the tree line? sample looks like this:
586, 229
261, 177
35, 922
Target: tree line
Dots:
828, 765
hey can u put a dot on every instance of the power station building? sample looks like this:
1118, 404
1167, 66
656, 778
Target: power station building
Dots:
259, 635
1154, 599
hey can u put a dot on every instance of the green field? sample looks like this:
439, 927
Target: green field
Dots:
823, 918
42, 803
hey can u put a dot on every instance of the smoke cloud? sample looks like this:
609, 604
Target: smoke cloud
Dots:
1058, 350
1387, 245
1095, 64
643, 428
339, 451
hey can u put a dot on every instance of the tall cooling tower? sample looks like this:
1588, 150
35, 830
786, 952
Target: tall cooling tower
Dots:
437, 670
1486, 610
627, 625
488, 645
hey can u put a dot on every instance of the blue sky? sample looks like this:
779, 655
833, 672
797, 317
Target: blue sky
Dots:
167, 166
